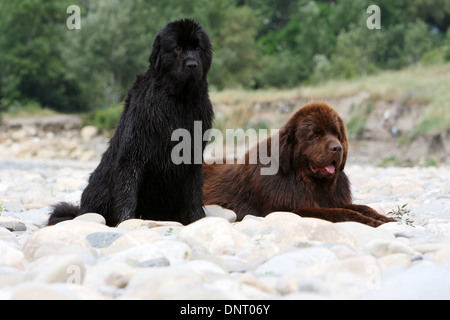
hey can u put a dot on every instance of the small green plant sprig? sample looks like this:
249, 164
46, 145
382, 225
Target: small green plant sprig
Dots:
402, 215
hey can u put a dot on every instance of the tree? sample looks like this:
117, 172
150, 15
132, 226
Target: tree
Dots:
294, 46
113, 45
33, 69
233, 31
418, 40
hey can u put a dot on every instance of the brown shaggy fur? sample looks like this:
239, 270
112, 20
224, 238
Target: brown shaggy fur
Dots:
310, 182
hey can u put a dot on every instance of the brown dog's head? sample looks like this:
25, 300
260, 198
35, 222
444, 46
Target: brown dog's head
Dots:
313, 142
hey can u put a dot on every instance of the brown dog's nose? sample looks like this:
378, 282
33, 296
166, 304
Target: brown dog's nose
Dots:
335, 148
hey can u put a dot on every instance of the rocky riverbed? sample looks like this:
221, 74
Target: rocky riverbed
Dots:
281, 256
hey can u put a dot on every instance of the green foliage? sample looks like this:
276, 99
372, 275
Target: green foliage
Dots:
417, 40
359, 117
30, 45
233, 31
257, 44
391, 161
281, 70
402, 215
434, 56
104, 119
447, 46
289, 51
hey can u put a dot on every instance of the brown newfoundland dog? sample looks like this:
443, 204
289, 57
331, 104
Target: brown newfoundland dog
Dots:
310, 181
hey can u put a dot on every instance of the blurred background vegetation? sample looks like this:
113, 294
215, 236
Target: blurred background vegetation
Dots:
258, 44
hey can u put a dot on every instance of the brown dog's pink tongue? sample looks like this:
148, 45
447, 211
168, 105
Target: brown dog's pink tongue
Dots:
330, 168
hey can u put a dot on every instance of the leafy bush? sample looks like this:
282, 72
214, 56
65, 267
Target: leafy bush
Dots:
104, 119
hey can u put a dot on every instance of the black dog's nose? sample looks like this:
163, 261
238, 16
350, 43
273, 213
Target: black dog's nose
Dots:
191, 64
335, 148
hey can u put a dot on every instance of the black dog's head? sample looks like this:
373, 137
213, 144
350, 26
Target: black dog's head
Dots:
182, 50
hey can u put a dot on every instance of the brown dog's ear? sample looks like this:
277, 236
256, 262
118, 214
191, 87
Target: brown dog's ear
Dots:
287, 141
344, 143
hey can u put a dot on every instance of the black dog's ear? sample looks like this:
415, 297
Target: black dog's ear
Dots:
206, 41
155, 56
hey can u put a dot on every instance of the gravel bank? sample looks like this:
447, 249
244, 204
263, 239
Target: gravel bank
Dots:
281, 256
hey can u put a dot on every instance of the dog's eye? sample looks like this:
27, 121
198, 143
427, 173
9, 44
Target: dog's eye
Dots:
337, 134
315, 135
177, 49
198, 49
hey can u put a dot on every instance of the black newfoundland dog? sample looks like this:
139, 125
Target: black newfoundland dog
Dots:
136, 177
